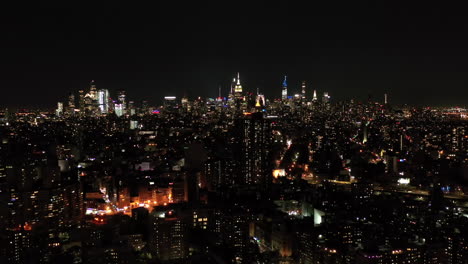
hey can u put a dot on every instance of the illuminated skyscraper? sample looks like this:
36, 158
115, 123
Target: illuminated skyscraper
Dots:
168, 234
260, 101
131, 108
93, 95
256, 140
122, 101
103, 100
92, 90
91, 99
82, 103
170, 103
184, 101
314, 99
231, 91
20, 243
118, 109
235, 232
71, 102
144, 107
238, 87
284, 92
59, 110
326, 98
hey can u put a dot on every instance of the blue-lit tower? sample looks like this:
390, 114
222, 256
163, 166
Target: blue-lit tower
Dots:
284, 92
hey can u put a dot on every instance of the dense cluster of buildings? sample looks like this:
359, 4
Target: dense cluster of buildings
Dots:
236, 179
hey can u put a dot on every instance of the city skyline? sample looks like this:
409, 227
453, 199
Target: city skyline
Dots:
413, 53
229, 133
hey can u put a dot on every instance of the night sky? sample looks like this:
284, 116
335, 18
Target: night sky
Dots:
416, 53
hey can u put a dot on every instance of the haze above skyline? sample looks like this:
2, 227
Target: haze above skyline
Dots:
417, 54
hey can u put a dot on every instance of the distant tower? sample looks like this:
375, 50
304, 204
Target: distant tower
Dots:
81, 99
122, 100
233, 85
103, 101
93, 91
303, 89
71, 103
91, 99
238, 87
284, 92
385, 98
59, 110
260, 100
366, 133
315, 96
144, 107
326, 97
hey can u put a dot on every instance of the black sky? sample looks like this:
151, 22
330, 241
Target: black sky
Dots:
417, 53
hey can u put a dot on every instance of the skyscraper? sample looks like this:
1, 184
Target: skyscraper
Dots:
326, 98
92, 90
82, 103
103, 100
238, 87
314, 98
122, 101
118, 109
284, 92
71, 103
170, 103
256, 140
131, 108
59, 110
91, 99
168, 234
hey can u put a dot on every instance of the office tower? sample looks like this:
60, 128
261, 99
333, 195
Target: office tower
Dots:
4, 117
284, 92
144, 107
19, 248
168, 234
303, 86
326, 98
59, 110
133, 124
219, 171
91, 100
110, 105
260, 101
185, 104
238, 87
118, 108
81, 98
170, 103
385, 99
457, 139
103, 100
234, 229
71, 103
131, 108
365, 133
141, 217
256, 139
122, 101
314, 98
93, 91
